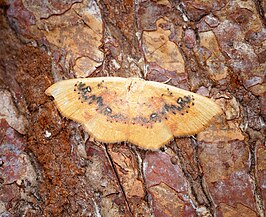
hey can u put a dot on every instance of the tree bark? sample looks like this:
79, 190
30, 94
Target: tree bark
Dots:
49, 166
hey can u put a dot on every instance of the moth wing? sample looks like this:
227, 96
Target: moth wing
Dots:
183, 112
91, 102
148, 114
142, 131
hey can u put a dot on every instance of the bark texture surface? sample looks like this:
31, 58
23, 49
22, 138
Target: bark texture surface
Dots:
49, 166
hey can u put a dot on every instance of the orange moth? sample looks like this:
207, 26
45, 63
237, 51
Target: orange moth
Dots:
146, 113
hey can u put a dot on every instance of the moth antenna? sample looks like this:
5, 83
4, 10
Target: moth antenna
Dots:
165, 82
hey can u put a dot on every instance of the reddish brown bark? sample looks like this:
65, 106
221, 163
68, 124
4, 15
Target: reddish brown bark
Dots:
50, 167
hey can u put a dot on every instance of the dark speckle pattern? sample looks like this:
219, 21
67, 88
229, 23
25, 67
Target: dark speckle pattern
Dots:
86, 94
182, 103
181, 106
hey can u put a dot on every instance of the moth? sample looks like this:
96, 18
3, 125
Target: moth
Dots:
146, 113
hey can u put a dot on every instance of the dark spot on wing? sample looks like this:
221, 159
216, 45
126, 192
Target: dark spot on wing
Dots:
140, 120
99, 101
85, 94
107, 111
154, 117
82, 88
119, 117
182, 103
